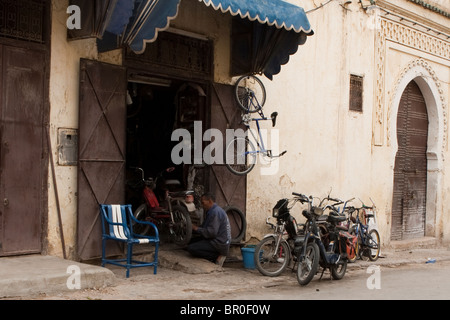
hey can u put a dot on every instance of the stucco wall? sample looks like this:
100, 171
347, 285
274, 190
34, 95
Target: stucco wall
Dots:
332, 148
328, 146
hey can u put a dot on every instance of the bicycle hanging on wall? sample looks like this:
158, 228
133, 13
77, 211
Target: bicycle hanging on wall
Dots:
241, 153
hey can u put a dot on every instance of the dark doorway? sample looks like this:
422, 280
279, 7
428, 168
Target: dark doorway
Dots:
410, 172
155, 108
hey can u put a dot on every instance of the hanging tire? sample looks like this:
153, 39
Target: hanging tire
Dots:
238, 223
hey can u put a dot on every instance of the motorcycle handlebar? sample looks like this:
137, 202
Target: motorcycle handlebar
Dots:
302, 197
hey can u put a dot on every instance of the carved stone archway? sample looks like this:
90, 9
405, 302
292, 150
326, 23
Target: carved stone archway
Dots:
422, 73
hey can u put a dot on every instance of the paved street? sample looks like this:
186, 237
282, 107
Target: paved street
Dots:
414, 281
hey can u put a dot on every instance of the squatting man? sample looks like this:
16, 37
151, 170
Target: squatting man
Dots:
214, 234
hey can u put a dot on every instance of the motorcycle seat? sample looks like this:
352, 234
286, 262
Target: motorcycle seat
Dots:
336, 219
177, 194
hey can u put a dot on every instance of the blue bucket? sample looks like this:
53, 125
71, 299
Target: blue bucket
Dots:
248, 254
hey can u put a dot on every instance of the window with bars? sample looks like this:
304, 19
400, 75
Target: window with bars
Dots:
356, 93
22, 19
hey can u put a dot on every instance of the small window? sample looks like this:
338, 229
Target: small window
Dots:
356, 93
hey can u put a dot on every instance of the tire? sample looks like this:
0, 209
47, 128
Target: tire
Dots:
338, 270
182, 226
250, 94
308, 265
238, 223
267, 261
356, 249
240, 156
141, 214
373, 248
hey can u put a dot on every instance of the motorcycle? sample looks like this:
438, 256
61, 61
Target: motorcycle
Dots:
276, 250
313, 252
171, 219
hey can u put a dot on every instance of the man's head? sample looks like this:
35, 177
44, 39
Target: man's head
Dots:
207, 201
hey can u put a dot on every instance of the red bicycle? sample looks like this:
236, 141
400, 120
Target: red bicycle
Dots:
172, 221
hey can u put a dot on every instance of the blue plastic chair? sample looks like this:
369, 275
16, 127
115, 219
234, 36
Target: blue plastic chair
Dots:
117, 224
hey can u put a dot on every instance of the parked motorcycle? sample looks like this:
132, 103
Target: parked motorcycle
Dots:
276, 250
172, 220
313, 252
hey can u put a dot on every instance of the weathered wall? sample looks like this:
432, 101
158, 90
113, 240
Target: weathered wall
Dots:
329, 147
351, 153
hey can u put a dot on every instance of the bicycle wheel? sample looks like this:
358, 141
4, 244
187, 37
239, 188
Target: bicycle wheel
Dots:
140, 214
351, 260
308, 264
271, 261
373, 244
250, 93
182, 226
240, 156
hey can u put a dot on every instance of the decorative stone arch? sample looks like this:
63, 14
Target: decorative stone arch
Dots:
423, 75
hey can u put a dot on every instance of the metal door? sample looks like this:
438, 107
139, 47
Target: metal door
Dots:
101, 167
410, 172
23, 158
229, 189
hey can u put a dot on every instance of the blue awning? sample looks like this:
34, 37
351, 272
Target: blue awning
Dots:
280, 28
276, 13
137, 22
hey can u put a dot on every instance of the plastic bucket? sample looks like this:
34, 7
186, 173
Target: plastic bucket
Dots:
248, 253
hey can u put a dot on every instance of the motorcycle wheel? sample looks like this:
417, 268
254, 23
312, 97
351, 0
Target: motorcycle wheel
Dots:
140, 214
267, 261
308, 265
182, 227
338, 270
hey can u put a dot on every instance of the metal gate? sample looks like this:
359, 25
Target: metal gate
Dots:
22, 155
101, 168
410, 172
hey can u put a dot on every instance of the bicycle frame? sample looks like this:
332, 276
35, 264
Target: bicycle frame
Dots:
362, 231
259, 138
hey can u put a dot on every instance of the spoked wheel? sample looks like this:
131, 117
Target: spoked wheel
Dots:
373, 245
338, 270
269, 260
308, 264
240, 156
181, 231
250, 93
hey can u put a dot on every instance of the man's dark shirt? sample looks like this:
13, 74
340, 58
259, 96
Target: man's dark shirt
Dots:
216, 228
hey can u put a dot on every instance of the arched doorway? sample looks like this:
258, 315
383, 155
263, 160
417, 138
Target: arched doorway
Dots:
410, 172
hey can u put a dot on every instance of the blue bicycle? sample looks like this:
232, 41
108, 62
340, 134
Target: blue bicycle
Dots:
240, 152
368, 244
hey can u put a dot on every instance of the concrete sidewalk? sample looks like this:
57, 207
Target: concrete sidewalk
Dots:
36, 274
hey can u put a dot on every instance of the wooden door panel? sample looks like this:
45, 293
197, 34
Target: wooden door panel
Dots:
101, 169
230, 189
22, 154
410, 172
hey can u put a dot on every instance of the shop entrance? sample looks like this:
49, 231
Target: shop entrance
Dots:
155, 108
